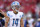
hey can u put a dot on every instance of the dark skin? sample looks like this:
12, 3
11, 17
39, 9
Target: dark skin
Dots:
15, 11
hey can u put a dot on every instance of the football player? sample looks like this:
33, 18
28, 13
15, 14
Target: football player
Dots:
16, 17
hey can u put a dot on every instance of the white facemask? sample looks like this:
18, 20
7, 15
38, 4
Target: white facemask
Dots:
13, 8
16, 10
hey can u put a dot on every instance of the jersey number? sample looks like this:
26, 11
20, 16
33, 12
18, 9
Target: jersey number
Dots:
15, 22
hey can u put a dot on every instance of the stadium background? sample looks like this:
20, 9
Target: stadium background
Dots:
31, 7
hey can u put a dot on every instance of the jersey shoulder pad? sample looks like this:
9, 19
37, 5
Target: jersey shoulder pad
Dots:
9, 12
21, 13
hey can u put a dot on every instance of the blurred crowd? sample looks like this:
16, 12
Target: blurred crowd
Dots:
30, 8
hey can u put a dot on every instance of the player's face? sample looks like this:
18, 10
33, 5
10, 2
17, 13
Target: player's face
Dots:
16, 8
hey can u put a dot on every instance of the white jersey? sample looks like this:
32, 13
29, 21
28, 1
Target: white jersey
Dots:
14, 18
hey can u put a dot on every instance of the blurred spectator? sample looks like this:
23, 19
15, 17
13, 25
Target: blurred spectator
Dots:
2, 22
30, 20
37, 24
37, 10
1, 6
39, 14
26, 24
7, 8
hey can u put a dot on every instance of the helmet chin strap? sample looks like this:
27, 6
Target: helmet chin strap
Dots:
16, 10
13, 8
